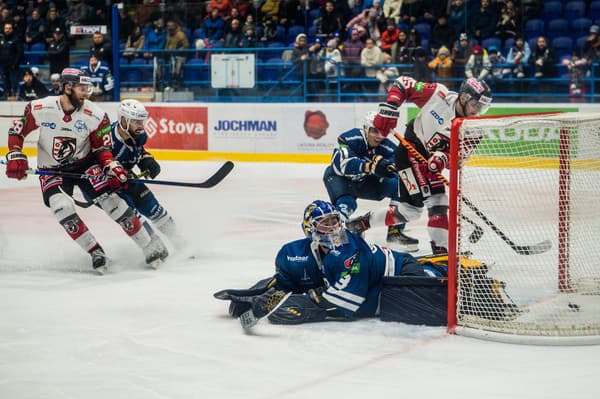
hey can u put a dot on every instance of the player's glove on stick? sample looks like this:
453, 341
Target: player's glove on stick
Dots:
437, 162
386, 118
149, 164
16, 165
379, 166
117, 175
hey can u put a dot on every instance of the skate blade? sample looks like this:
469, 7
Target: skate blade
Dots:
155, 264
101, 270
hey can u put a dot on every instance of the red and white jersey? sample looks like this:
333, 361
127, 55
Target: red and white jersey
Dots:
65, 139
433, 123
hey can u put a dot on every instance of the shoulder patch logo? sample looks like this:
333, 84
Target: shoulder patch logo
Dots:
419, 87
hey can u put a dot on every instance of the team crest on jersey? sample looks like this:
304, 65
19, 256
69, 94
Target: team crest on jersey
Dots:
17, 126
63, 148
80, 126
352, 263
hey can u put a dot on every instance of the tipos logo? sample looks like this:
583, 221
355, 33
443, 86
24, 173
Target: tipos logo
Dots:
169, 126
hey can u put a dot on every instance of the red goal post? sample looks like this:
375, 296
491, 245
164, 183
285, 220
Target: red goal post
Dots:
530, 184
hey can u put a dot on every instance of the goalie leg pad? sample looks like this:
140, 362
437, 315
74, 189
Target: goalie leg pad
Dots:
483, 296
414, 300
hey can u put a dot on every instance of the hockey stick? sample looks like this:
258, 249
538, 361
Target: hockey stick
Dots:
534, 249
212, 181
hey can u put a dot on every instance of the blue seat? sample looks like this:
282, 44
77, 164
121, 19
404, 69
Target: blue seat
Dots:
36, 59
312, 15
532, 43
145, 69
552, 10
534, 28
563, 45
311, 34
197, 33
491, 41
580, 41
575, 9
594, 11
195, 69
580, 27
132, 75
557, 27
508, 43
293, 31
424, 29
278, 47
270, 70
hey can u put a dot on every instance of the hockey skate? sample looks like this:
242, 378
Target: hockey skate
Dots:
262, 306
395, 235
99, 260
360, 224
155, 252
437, 250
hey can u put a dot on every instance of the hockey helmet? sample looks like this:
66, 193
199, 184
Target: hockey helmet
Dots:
478, 92
75, 76
323, 223
368, 122
131, 110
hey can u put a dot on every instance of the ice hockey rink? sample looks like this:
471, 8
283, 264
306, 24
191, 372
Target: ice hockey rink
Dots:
137, 333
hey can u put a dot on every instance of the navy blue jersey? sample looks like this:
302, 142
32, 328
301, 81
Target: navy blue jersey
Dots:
127, 155
354, 272
296, 268
353, 152
102, 79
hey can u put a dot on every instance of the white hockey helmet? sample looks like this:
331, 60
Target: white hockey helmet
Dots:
131, 110
368, 122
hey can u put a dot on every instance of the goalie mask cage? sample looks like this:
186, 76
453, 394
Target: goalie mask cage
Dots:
532, 184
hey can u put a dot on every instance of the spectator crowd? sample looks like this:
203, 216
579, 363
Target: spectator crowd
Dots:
374, 40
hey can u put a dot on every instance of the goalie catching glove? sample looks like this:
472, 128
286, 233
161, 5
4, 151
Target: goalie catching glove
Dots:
149, 164
16, 165
381, 167
386, 118
117, 175
437, 162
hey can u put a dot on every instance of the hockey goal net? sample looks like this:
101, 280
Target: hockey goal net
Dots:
525, 228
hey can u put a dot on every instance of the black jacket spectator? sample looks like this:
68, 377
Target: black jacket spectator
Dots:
234, 37
31, 88
36, 29
11, 52
544, 59
58, 52
53, 21
442, 34
483, 21
102, 48
329, 21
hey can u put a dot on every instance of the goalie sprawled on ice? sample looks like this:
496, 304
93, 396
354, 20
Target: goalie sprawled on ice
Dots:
333, 274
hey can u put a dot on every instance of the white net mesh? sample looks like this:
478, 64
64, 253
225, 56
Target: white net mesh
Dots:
537, 181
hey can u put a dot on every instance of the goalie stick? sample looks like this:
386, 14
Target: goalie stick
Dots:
534, 249
212, 181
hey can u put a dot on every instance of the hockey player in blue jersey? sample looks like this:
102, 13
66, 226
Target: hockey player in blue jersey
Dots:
362, 166
129, 139
343, 275
102, 79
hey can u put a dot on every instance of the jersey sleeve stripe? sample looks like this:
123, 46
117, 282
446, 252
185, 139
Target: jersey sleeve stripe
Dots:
340, 303
346, 295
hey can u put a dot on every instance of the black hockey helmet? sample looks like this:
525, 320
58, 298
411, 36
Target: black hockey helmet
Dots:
478, 91
75, 76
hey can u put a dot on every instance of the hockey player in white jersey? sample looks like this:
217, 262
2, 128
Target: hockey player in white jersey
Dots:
74, 137
429, 134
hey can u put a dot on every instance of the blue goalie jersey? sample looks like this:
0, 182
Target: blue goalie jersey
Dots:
354, 272
297, 270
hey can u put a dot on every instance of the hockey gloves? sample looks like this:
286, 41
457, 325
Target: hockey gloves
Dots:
148, 164
386, 118
437, 162
16, 165
381, 167
117, 175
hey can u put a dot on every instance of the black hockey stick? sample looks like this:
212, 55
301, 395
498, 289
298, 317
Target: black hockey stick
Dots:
212, 181
477, 232
534, 249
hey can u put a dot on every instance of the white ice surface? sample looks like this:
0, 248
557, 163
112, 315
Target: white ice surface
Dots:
139, 333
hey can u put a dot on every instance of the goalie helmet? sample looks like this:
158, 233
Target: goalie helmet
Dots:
477, 91
131, 110
323, 223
